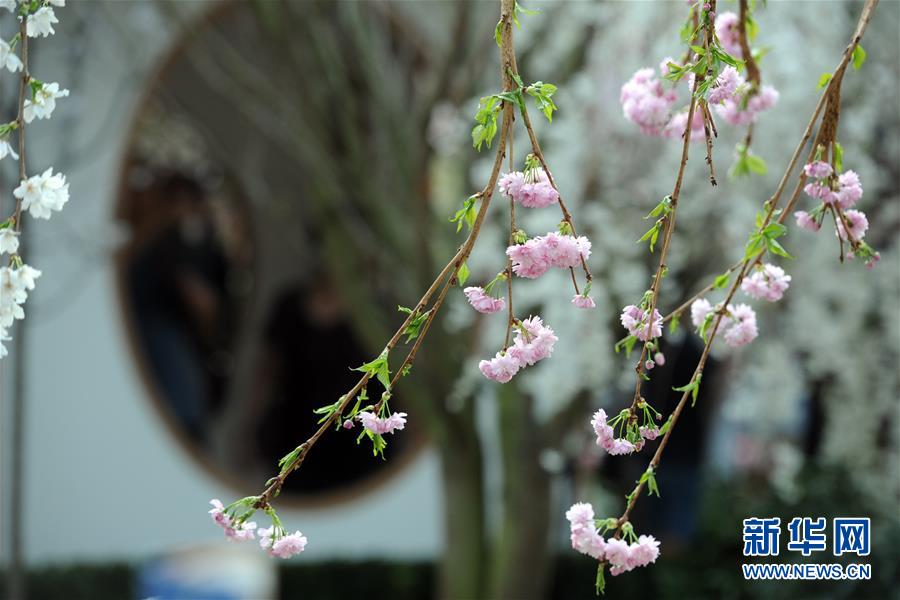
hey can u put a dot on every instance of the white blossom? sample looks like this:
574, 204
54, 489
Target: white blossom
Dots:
25, 276
9, 240
42, 194
43, 103
8, 58
6, 148
40, 22
14, 287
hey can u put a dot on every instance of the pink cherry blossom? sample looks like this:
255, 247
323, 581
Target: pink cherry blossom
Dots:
806, 222
533, 258
728, 34
857, 222
700, 308
849, 190
649, 433
532, 189
382, 425
734, 111
646, 102
741, 329
659, 358
284, 546
582, 301
237, 532
501, 368
726, 85
580, 513
638, 323
820, 191
767, 283
818, 169
482, 301
533, 344
675, 127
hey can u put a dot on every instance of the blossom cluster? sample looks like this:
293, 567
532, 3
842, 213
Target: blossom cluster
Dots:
43, 194
382, 425
623, 556
235, 529
274, 540
482, 301
769, 282
531, 188
606, 436
283, 546
638, 322
738, 102
738, 322
839, 194
533, 342
648, 101
538, 254
15, 283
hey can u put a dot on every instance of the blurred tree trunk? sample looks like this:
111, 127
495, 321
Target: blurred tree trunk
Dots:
521, 557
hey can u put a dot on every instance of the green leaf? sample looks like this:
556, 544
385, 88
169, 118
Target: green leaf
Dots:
463, 274
722, 280
693, 387
823, 80
663, 208
756, 164
626, 344
288, 460
498, 33
775, 248
859, 57
600, 584
378, 368
411, 331
467, 214
838, 157
754, 246
542, 94
673, 324
486, 117
649, 478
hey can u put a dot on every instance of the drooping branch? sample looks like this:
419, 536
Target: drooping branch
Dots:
745, 265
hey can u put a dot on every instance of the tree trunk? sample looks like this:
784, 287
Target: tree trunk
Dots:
521, 555
462, 570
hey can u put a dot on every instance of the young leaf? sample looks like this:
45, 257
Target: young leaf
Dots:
693, 387
722, 280
378, 368
462, 274
823, 80
859, 57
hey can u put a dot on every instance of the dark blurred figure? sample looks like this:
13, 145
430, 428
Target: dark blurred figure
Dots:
176, 278
309, 348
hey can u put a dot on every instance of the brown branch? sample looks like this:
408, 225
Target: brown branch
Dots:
20, 118
753, 74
